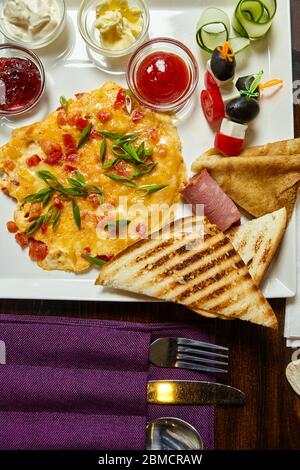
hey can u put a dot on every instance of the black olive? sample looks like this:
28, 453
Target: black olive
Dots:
222, 68
244, 83
242, 109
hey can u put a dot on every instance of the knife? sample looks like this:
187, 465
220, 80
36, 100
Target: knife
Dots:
189, 392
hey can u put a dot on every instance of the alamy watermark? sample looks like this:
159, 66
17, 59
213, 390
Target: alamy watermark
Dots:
138, 221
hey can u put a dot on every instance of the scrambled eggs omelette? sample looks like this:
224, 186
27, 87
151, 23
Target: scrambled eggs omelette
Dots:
91, 151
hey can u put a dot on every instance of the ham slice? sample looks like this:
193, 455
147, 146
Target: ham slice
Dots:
218, 207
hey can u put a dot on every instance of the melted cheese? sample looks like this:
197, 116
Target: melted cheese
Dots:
66, 243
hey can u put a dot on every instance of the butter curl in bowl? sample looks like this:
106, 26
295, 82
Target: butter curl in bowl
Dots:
113, 28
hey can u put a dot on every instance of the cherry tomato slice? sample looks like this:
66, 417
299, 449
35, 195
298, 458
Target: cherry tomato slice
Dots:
33, 160
212, 105
22, 239
104, 116
227, 145
12, 227
209, 81
38, 251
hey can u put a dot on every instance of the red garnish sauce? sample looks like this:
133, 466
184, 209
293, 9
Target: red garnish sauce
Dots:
20, 83
162, 78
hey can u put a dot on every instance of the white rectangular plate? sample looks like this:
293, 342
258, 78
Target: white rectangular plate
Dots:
69, 70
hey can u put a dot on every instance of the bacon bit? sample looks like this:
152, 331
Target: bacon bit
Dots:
81, 123
72, 157
33, 160
53, 158
95, 135
120, 99
35, 211
69, 167
69, 144
87, 250
61, 118
21, 239
50, 147
79, 95
53, 151
58, 203
9, 165
122, 169
15, 182
137, 116
153, 135
94, 200
5, 190
104, 116
71, 119
37, 250
12, 227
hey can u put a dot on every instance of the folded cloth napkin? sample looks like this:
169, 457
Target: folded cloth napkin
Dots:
292, 314
81, 384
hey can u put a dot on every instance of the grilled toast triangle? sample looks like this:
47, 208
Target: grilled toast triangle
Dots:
258, 240
205, 274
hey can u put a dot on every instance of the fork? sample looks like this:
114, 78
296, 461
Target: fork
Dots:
185, 353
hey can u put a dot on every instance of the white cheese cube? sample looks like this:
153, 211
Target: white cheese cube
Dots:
233, 129
229, 92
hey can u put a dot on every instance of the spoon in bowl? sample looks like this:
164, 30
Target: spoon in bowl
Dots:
172, 434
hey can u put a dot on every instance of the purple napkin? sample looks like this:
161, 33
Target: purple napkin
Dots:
81, 384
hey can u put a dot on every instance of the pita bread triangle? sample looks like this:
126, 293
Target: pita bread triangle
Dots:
258, 240
258, 184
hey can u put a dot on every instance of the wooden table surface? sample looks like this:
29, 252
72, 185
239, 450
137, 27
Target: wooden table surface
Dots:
271, 417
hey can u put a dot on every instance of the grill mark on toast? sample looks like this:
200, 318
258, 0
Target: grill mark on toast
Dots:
217, 293
156, 249
241, 245
189, 277
197, 256
208, 266
228, 303
208, 281
177, 252
266, 254
183, 249
258, 243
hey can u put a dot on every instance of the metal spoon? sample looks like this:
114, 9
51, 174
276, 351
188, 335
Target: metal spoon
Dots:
172, 434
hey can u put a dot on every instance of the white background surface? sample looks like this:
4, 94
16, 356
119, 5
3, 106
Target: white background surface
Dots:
69, 70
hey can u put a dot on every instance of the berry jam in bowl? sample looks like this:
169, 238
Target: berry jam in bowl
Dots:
22, 80
163, 74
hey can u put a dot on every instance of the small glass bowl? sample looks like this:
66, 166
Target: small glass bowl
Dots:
86, 20
163, 45
15, 51
38, 44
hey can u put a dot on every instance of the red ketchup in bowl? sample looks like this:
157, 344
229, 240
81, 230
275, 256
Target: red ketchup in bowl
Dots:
162, 77
20, 83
